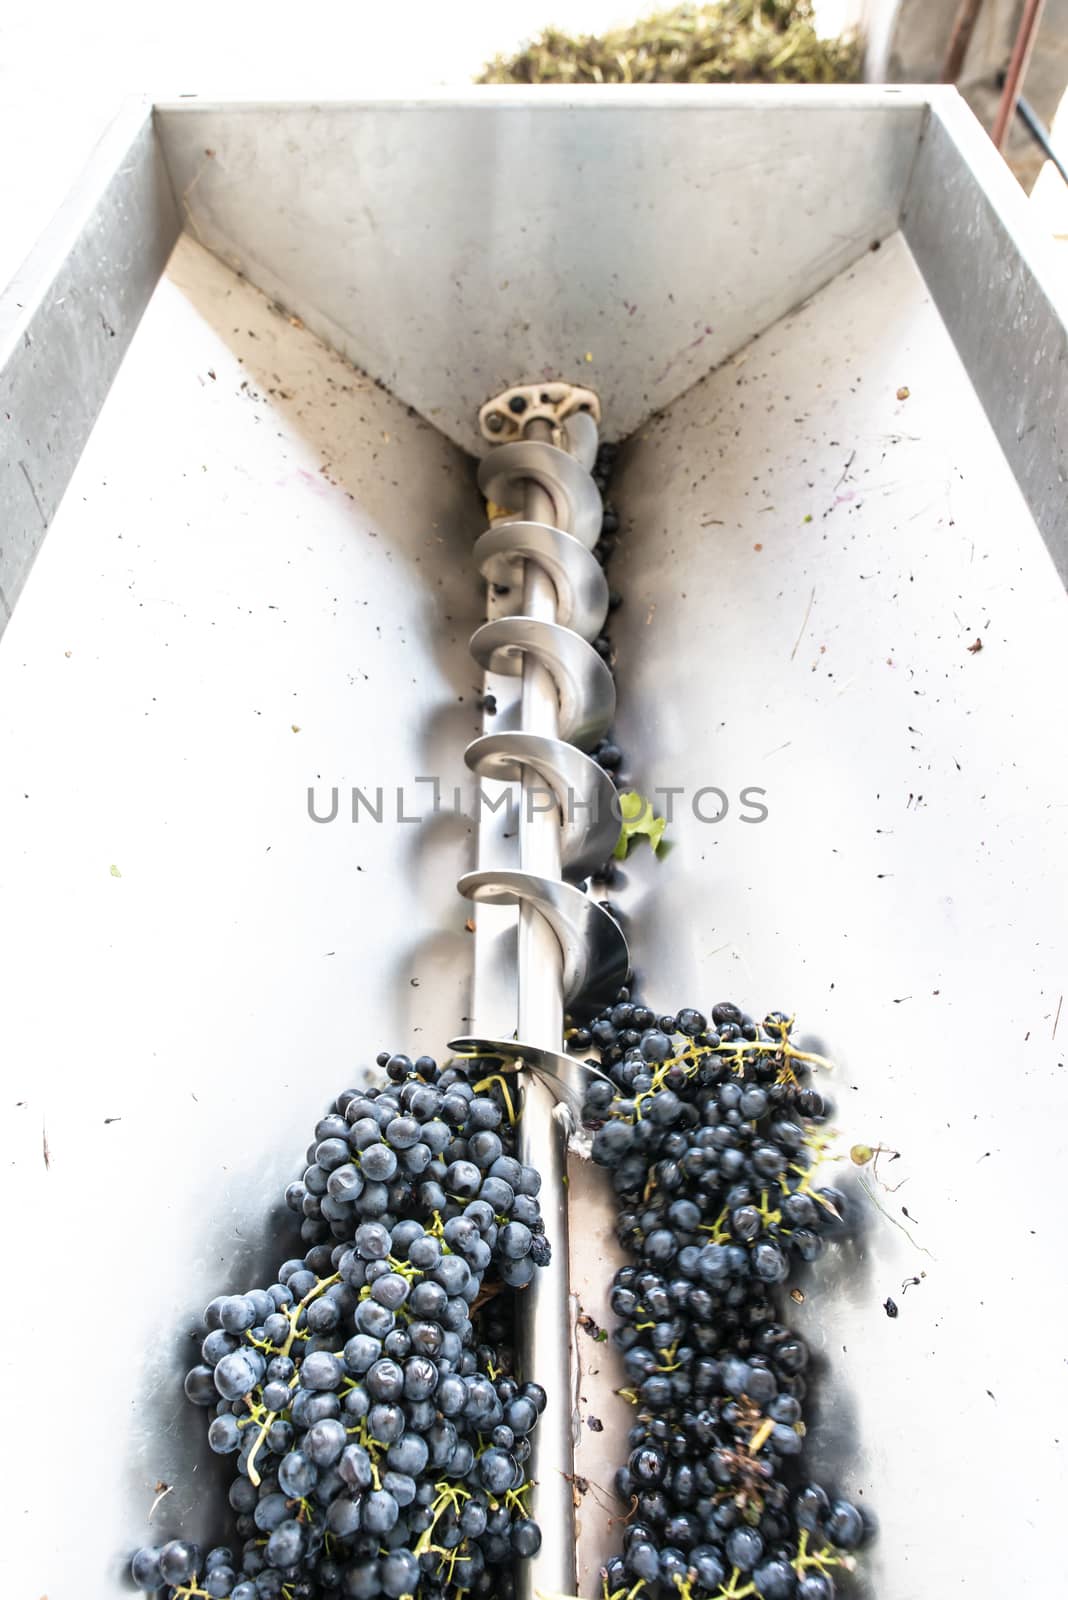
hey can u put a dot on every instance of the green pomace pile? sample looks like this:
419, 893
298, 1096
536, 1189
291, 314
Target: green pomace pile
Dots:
734, 41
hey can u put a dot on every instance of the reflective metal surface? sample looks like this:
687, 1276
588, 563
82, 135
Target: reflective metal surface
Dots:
577, 576
264, 186
1003, 295
569, 1076
583, 438
506, 474
587, 694
540, 985
594, 949
586, 796
657, 231
66, 320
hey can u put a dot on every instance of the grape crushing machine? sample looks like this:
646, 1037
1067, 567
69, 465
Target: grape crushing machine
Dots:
259, 384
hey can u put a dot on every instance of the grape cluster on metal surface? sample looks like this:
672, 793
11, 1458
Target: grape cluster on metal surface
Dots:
369, 1396
714, 1138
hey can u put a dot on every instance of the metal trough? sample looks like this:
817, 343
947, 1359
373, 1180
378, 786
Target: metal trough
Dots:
839, 367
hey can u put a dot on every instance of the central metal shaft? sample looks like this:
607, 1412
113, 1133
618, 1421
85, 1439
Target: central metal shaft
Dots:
541, 1003
570, 951
543, 1130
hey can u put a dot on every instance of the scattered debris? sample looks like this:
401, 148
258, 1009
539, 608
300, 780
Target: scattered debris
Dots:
595, 1424
630, 1512
903, 392
861, 1154
974, 649
579, 1487
638, 818
162, 1491
595, 1331
877, 1203
853, 453
890, 1307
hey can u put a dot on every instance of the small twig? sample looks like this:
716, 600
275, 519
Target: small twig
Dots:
630, 1513
604, 1497
164, 1491
845, 469
804, 625
877, 1203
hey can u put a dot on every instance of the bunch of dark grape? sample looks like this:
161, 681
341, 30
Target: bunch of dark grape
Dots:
711, 1131
367, 1396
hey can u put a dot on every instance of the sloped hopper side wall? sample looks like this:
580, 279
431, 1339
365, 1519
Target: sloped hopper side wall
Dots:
835, 594
258, 582
626, 241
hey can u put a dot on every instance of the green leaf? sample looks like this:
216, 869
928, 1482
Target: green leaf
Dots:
638, 819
